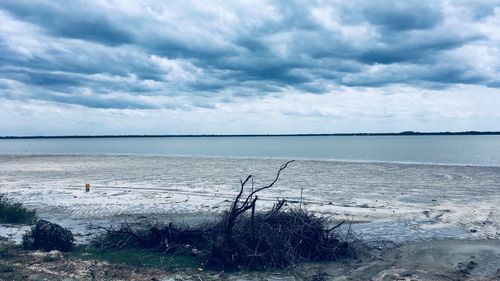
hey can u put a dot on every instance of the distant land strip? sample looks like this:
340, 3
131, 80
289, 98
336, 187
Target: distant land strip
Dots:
405, 133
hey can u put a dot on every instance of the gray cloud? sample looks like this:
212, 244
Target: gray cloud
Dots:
76, 20
403, 15
210, 52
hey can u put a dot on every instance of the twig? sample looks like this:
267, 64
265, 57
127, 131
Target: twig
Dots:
338, 225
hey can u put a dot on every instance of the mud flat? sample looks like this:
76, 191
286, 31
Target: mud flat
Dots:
387, 201
428, 221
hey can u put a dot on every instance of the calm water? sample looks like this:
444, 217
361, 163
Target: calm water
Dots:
461, 150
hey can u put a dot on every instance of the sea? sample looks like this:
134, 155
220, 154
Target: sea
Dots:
476, 150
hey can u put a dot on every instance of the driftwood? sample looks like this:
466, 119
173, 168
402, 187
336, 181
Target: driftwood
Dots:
238, 208
244, 236
154, 236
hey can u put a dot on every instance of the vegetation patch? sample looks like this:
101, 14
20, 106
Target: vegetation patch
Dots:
136, 257
15, 212
4, 268
48, 236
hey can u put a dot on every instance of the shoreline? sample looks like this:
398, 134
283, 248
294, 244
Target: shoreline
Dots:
235, 157
405, 133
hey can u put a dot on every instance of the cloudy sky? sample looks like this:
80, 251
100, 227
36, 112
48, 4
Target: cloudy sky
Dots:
229, 67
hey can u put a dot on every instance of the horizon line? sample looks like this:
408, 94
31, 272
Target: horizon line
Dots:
404, 133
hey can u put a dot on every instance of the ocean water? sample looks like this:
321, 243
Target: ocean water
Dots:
454, 150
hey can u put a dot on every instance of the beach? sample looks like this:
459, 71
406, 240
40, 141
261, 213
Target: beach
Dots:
392, 207
385, 201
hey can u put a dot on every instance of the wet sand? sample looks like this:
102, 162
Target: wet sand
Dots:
427, 219
387, 201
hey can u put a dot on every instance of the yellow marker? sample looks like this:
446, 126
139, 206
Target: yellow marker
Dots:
87, 187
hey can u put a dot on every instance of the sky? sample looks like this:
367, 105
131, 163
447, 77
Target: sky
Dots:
248, 67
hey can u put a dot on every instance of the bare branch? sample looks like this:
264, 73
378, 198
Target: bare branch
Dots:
272, 183
338, 225
237, 199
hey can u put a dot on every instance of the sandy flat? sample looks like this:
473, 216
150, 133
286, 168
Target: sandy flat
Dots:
387, 201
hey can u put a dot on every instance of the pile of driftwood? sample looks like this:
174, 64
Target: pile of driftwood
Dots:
243, 237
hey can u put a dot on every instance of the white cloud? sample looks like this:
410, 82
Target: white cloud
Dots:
248, 66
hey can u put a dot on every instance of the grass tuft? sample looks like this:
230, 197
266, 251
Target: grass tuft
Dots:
15, 212
136, 257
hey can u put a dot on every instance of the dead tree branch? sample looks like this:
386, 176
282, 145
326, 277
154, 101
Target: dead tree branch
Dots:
238, 209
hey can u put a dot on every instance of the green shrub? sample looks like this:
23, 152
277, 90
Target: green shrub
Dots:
15, 212
48, 236
6, 268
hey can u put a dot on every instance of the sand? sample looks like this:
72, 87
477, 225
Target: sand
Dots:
390, 205
396, 202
